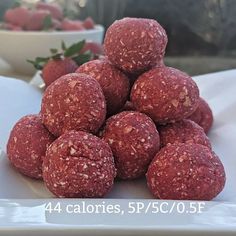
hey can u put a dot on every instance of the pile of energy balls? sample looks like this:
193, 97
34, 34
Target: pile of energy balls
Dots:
122, 117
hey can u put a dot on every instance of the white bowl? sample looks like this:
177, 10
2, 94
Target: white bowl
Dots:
18, 46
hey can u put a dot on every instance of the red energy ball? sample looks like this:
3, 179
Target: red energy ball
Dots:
203, 115
73, 102
135, 45
134, 141
184, 131
165, 94
186, 172
79, 164
114, 83
27, 145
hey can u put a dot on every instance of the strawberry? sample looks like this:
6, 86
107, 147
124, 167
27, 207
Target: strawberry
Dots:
88, 23
95, 48
8, 26
61, 63
37, 20
53, 8
18, 16
71, 25
55, 68
56, 24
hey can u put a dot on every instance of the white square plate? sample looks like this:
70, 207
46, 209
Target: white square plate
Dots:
22, 208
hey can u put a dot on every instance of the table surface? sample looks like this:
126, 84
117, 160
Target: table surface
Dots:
6, 70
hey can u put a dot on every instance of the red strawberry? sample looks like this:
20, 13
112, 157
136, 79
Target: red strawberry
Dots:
95, 48
88, 23
18, 16
71, 25
55, 9
9, 26
56, 24
61, 61
55, 68
37, 19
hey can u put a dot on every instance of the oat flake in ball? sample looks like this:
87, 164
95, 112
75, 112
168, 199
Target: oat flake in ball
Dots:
114, 83
186, 172
184, 131
134, 141
79, 164
134, 44
27, 145
203, 115
73, 102
165, 94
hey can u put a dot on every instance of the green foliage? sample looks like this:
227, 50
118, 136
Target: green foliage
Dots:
82, 58
74, 49
16, 3
39, 62
47, 22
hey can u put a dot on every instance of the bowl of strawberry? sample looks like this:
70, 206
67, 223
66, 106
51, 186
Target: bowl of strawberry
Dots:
30, 32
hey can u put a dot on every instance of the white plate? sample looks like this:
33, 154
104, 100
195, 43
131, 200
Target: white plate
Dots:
22, 207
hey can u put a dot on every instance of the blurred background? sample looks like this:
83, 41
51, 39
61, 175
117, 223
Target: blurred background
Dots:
202, 33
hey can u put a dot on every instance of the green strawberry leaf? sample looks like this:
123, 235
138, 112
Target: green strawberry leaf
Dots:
16, 4
74, 49
47, 22
42, 59
36, 65
71, 14
63, 45
82, 58
57, 56
39, 62
53, 50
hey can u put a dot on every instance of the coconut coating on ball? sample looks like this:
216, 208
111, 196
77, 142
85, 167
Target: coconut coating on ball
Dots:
165, 94
184, 131
79, 164
114, 83
134, 141
73, 102
186, 172
203, 115
134, 44
27, 145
